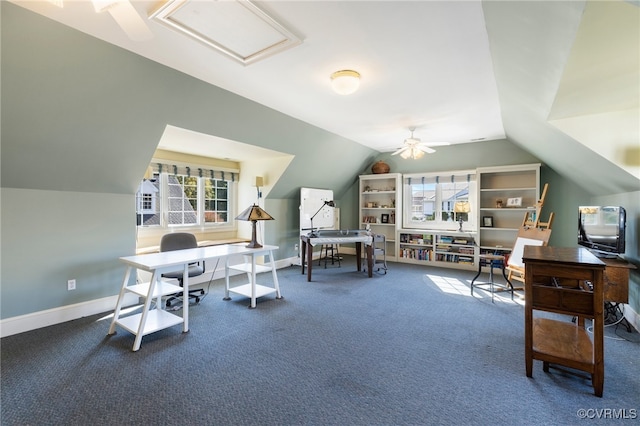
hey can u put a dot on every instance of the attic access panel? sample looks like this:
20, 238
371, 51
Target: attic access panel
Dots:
238, 28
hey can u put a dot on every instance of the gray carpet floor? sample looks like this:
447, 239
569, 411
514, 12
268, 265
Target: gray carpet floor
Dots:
411, 347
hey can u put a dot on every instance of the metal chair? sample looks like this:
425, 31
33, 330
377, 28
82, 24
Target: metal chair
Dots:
335, 254
379, 253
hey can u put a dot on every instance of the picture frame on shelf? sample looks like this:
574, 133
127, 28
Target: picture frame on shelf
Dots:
384, 218
514, 202
487, 221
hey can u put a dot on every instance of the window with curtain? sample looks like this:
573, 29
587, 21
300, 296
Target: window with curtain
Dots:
440, 200
173, 196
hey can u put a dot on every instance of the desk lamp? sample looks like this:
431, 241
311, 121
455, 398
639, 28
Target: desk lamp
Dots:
461, 207
330, 203
254, 213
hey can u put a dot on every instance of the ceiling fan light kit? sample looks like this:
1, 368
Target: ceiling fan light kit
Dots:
413, 153
415, 149
345, 82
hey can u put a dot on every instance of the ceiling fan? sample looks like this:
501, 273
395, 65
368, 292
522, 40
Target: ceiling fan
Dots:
124, 14
414, 148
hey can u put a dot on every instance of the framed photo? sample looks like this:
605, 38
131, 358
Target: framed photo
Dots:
385, 218
487, 221
514, 202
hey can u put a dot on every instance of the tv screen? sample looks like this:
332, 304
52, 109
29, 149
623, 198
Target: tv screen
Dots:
602, 229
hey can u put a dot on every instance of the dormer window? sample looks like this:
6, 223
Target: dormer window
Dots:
147, 201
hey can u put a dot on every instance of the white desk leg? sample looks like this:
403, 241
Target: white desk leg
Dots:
253, 281
275, 275
116, 313
185, 298
226, 279
145, 311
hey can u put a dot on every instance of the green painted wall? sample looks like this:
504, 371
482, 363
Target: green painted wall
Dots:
81, 120
49, 237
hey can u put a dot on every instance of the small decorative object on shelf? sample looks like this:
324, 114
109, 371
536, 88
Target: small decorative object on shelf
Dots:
380, 167
514, 202
499, 204
487, 221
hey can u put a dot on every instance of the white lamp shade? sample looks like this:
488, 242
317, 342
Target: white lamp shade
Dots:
345, 82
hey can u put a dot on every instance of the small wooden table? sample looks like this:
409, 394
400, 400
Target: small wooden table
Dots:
567, 281
338, 237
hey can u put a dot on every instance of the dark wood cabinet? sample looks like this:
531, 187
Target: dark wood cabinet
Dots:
568, 281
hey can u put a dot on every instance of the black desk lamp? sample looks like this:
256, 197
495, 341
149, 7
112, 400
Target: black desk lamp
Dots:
254, 213
331, 203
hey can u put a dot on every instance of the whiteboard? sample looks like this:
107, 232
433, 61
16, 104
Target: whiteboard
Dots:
518, 250
311, 199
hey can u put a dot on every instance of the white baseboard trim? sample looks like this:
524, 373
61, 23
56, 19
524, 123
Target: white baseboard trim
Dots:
34, 320
632, 316
40, 319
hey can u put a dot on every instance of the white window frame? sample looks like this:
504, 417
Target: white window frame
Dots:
200, 225
439, 178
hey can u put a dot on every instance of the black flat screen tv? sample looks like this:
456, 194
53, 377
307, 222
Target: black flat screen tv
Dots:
602, 229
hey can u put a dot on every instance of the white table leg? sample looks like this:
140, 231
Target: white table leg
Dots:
253, 280
116, 314
145, 311
275, 275
226, 279
185, 298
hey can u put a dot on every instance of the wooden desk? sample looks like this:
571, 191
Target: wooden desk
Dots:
558, 280
336, 237
152, 320
616, 280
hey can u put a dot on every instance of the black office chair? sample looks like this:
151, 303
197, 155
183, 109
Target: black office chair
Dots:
180, 241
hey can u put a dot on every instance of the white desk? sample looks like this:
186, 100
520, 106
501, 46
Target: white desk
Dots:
149, 321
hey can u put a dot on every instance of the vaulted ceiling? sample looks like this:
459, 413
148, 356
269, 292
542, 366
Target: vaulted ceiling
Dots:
561, 79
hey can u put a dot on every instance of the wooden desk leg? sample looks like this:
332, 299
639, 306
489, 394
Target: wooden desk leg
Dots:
369, 250
359, 255
528, 327
304, 253
309, 260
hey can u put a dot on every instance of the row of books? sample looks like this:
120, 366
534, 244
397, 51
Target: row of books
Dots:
453, 249
446, 239
454, 258
417, 254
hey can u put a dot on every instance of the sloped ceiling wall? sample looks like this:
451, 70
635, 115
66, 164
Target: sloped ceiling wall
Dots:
598, 101
82, 115
531, 46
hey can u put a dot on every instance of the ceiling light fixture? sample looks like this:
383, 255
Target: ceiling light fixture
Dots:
413, 152
345, 82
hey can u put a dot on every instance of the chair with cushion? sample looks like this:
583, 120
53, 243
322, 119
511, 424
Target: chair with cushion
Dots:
181, 241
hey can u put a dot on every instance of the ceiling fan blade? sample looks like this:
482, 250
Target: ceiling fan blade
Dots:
434, 143
401, 150
131, 23
426, 149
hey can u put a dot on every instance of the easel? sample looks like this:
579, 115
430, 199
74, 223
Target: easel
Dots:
532, 229
532, 219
